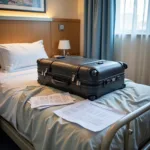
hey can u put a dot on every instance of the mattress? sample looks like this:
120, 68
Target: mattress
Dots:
45, 130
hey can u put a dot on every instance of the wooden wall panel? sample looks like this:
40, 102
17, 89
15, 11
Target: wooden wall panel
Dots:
18, 31
71, 32
14, 31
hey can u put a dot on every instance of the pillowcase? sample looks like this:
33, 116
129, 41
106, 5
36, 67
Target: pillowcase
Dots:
21, 55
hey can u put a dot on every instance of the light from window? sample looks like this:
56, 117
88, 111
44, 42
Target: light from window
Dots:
132, 16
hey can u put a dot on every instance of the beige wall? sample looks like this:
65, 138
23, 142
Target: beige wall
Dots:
58, 9
81, 17
55, 8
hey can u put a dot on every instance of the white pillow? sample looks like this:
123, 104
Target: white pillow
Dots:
21, 55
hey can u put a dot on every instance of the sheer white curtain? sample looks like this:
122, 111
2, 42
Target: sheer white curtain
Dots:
132, 38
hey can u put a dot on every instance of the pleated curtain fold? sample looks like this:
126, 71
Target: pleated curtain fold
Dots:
99, 28
132, 38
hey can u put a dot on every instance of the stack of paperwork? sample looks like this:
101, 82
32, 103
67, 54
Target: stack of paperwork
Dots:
90, 115
42, 102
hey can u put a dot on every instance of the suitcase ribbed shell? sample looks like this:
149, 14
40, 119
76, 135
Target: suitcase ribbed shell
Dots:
89, 78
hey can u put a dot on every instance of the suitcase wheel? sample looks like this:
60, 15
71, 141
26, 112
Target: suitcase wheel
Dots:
92, 97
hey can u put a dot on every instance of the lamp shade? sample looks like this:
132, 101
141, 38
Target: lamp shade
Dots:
64, 44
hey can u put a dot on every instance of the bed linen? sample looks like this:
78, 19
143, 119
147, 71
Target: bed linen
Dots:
19, 79
20, 55
46, 131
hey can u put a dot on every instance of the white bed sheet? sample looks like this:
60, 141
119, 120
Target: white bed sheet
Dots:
19, 79
36, 124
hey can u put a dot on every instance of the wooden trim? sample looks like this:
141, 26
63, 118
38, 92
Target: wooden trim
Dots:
38, 19
65, 20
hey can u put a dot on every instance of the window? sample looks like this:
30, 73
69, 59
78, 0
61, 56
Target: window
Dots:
132, 16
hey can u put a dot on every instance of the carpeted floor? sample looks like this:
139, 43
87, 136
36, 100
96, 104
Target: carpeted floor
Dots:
6, 143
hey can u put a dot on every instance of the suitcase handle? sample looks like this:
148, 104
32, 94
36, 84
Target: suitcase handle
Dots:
59, 83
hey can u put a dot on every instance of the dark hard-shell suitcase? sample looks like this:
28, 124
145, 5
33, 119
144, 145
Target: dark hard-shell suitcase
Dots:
89, 78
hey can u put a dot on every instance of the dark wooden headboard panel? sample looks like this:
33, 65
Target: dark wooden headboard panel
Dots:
71, 32
16, 31
21, 31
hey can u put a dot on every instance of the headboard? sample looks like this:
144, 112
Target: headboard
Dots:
23, 31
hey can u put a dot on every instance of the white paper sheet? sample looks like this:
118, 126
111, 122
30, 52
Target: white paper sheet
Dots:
90, 115
51, 100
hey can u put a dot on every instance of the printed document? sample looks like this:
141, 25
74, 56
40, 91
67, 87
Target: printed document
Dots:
90, 115
51, 100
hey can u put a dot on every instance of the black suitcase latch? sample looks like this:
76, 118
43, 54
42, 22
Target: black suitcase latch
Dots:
78, 83
44, 72
47, 69
75, 75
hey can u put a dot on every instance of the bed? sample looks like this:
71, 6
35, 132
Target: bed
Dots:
43, 130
